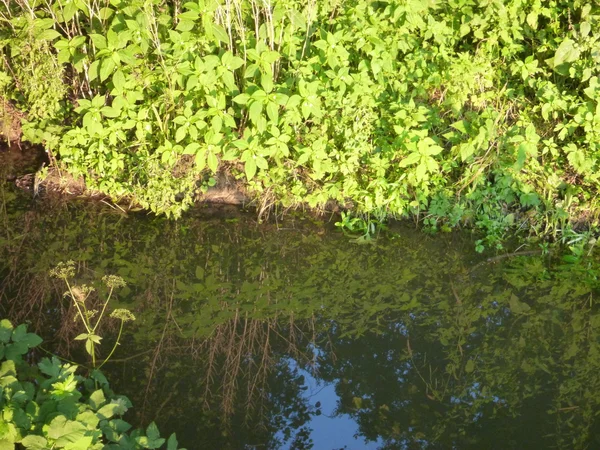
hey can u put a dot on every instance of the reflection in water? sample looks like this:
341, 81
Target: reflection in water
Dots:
288, 335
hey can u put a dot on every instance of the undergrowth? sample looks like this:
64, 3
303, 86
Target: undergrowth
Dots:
49, 405
455, 112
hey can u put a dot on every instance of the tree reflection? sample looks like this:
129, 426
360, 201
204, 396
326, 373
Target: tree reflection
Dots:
426, 345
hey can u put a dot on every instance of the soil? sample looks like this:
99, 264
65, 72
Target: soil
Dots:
10, 122
19, 159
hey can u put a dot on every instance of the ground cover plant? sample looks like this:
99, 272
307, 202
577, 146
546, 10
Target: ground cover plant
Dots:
50, 406
454, 112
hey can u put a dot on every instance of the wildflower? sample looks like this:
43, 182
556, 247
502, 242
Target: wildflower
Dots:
122, 314
64, 270
113, 281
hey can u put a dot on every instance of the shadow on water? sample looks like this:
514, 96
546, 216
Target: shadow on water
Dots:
288, 335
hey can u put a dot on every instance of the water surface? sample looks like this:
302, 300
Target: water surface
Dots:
289, 335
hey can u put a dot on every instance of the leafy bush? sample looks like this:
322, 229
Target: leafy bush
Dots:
49, 406
459, 112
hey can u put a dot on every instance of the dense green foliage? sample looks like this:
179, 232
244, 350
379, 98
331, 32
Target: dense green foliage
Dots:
456, 111
48, 406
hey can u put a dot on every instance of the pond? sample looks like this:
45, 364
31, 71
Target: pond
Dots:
287, 334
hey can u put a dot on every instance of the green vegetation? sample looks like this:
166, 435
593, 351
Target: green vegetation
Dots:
48, 406
456, 112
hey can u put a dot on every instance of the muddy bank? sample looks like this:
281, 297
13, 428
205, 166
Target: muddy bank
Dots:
28, 167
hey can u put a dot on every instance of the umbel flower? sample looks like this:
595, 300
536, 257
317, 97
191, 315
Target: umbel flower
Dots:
122, 314
113, 281
64, 270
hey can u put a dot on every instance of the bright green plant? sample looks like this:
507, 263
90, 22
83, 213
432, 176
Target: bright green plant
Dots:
80, 295
49, 406
480, 114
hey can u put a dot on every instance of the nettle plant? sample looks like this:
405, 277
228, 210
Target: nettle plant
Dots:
456, 112
49, 406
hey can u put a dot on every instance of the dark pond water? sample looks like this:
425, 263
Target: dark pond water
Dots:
288, 335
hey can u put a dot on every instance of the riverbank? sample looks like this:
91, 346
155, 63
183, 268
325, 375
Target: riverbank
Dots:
454, 116
29, 168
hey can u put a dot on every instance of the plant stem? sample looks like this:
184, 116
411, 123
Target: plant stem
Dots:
78, 308
103, 309
114, 347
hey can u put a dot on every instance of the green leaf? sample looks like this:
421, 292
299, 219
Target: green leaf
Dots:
106, 68
97, 399
220, 33
50, 367
15, 350
98, 101
7, 368
585, 28
266, 81
216, 123
461, 126
255, 111
119, 81
191, 149
89, 346
466, 150
241, 99
119, 425
110, 409
250, 168
99, 377
185, 25
517, 306
200, 159
152, 432
93, 71
110, 112
181, 133
213, 162
413, 158
21, 335
48, 35
83, 443
231, 62
33, 442
470, 366
7, 444
89, 419
421, 171
273, 112
566, 53
172, 442
99, 41
65, 431
262, 163
6, 330
152, 439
